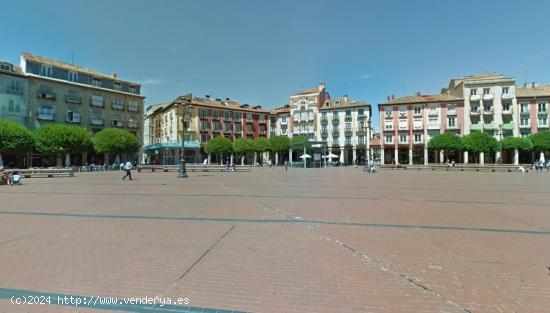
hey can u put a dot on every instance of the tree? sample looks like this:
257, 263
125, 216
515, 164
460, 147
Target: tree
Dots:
242, 146
62, 139
219, 146
298, 141
513, 143
541, 140
279, 144
115, 141
479, 142
260, 144
14, 138
446, 142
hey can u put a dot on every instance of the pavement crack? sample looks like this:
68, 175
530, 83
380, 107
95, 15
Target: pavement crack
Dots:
198, 260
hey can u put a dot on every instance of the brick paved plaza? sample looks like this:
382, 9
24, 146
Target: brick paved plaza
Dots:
325, 240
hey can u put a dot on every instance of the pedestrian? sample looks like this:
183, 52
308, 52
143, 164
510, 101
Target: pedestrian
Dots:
128, 169
286, 166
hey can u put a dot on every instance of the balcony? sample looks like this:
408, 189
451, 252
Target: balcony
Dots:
361, 131
402, 114
73, 99
335, 121
46, 95
477, 126
348, 118
506, 111
348, 131
475, 98
528, 125
389, 115
455, 126
451, 112
525, 112
132, 124
324, 132
97, 103
488, 110
403, 127
324, 120
489, 125
117, 106
117, 123
433, 126
433, 112
507, 96
361, 116
335, 131
417, 125
97, 121
46, 116
508, 126
284, 122
75, 120
488, 96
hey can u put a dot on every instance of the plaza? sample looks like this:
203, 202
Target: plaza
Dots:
306, 240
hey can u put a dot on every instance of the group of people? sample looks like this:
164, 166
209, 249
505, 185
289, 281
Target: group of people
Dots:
450, 163
540, 165
9, 177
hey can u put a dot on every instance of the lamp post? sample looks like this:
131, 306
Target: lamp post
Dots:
183, 106
367, 154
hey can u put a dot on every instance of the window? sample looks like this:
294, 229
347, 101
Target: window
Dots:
97, 101
451, 108
348, 140
262, 129
524, 121
433, 109
237, 116
361, 140
227, 115
11, 106
249, 117
505, 90
249, 129
474, 106
334, 114
525, 133
117, 85
45, 112
388, 139
506, 106
96, 82
15, 86
417, 110
132, 89
73, 117
324, 129
348, 127
262, 118
486, 91
132, 106
46, 70
226, 126
388, 126
417, 138
473, 92
73, 76
202, 113
524, 108
238, 128
204, 125
216, 125
204, 137
541, 106
487, 106
402, 111
433, 123
348, 113
388, 112
451, 121
117, 104
215, 114
403, 138
361, 112
335, 140
283, 119
543, 121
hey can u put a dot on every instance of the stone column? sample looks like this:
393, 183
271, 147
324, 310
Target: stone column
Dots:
497, 156
441, 156
231, 159
382, 158
68, 159
242, 159
209, 158
396, 155
354, 155
435, 156
84, 158
425, 155
481, 158
465, 156
276, 158
255, 158
290, 155
341, 155
410, 156
516, 156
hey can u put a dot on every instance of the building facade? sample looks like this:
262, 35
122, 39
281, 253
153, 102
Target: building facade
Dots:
59, 92
13, 94
205, 119
490, 103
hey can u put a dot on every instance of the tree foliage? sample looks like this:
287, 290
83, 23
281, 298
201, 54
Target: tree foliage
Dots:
261, 144
61, 138
479, 142
243, 145
446, 141
15, 137
298, 141
541, 140
114, 140
219, 146
279, 143
512, 143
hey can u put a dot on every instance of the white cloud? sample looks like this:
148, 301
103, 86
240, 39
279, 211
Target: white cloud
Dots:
151, 81
365, 76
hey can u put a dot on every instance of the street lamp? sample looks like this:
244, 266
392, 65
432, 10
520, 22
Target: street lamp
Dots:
367, 156
183, 107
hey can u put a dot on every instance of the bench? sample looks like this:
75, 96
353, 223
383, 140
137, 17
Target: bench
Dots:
467, 168
194, 168
45, 173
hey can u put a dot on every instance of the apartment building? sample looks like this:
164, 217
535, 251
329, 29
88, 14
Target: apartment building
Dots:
489, 103
60, 92
206, 118
13, 94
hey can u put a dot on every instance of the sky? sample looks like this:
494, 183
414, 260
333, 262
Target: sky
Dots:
261, 52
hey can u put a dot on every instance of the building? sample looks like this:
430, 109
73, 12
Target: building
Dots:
60, 92
205, 119
13, 94
485, 102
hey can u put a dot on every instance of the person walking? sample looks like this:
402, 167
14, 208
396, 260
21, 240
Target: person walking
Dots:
286, 166
128, 169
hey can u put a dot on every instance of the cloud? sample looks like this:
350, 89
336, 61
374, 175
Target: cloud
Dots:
365, 76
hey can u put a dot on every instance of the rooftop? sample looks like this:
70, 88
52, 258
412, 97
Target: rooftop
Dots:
539, 91
285, 108
44, 60
419, 98
343, 102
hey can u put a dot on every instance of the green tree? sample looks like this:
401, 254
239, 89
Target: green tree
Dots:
279, 144
62, 139
541, 140
115, 141
14, 138
260, 144
446, 142
512, 143
242, 146
478, 142
219, 146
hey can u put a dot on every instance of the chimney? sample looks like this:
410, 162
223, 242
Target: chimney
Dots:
534, 84
389, 98
114, 75
226, 99
345, 98
321, 87
393, 97
207, 96
418, 93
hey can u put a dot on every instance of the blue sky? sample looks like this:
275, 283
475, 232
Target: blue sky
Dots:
261, 52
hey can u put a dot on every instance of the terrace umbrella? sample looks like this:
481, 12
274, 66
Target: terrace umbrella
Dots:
305, 156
